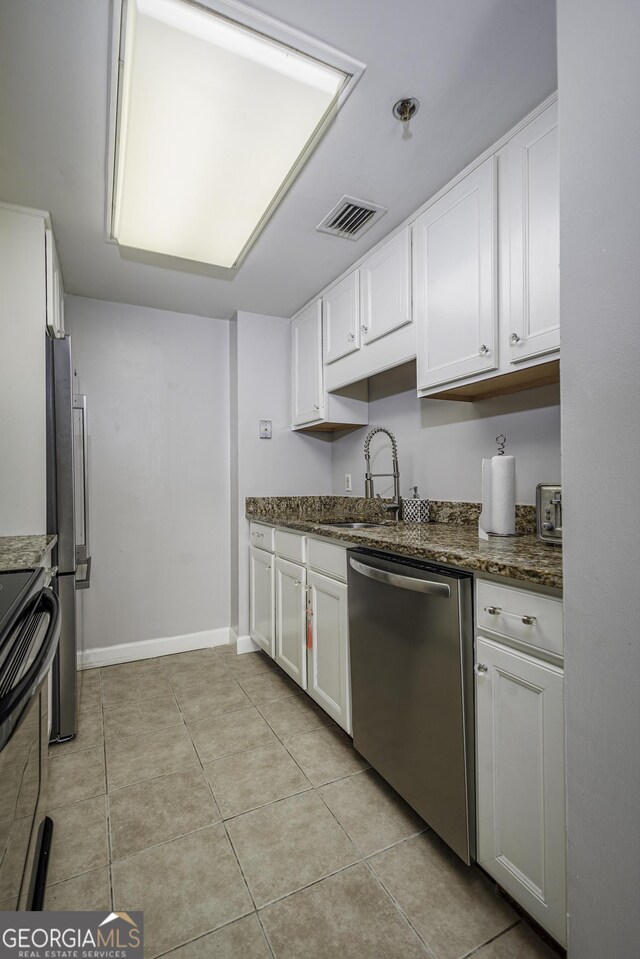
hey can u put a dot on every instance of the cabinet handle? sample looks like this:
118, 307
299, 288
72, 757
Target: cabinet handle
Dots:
259, 535
497, 611
514, 339
484, 350
481, 668
351, 336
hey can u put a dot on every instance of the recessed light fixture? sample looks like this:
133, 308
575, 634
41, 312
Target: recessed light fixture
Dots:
215, 109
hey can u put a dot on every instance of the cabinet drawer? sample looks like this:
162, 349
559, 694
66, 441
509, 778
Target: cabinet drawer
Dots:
528, 618
328, 558
262, 536
291, 546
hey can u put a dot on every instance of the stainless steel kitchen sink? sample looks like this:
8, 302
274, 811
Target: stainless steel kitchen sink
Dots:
355, 525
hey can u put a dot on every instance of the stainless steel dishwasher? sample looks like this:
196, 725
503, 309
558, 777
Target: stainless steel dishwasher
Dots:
411, 638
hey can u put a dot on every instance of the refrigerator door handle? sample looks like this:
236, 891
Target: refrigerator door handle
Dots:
84, 583
82, 552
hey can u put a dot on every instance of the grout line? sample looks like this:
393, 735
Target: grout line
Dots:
266, 937
108, 803
399, 909
477, 949
149, 732
164, 842
211, 932
223, 823
265, 805
250, 749
310, 885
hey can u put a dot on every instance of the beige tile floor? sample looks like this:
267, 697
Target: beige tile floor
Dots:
207, 790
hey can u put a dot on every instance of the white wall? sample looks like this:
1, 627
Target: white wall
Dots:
441, 443
158, 410
289, 464
23, 490
599, 89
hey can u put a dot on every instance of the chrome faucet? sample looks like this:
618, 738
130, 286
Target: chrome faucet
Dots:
369, 476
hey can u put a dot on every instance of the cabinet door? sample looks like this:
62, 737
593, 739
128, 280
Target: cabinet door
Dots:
306, 359
455, 270
261, 599
341, 318
291, 651
520, 780
385, 288
534, 213
329, 679
55, 292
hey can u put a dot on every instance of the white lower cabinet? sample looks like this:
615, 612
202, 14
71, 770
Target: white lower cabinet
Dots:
329, 680
262, 599
291, 615
305, 578
520, 780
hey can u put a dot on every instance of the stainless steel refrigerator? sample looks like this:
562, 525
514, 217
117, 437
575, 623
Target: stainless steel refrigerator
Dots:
67, 516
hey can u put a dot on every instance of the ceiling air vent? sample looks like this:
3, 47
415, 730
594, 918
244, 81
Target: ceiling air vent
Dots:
350, 218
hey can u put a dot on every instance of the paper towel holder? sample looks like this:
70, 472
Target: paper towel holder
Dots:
501, 440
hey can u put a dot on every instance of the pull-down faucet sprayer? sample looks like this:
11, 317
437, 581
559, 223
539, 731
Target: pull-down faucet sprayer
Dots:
369, 476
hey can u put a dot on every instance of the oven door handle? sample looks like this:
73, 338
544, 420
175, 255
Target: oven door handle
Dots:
404, 582
47, 603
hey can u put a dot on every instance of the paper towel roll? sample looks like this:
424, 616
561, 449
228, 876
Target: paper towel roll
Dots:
503, 494
484, 522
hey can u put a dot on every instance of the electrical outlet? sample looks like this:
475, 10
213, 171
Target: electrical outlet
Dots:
265, 429
347, 482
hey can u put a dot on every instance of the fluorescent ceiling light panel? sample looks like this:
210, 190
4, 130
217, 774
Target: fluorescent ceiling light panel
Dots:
213, 121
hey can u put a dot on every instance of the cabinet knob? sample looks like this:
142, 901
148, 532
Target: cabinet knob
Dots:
351, 336
315, 406
484, 350
514, 339
481, 668
364, 328
493, 610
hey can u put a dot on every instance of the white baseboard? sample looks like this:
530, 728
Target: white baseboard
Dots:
150, 648
244, 644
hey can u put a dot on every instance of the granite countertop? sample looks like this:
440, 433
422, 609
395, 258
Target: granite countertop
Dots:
453, 543
24, 552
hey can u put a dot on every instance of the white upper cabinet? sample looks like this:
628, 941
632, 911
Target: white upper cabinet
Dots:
455, 281
55, 289
385, 289
341, 315
312, 407
308, 393
535, 238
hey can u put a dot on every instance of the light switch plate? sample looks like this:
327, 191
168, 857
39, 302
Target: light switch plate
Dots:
265, 429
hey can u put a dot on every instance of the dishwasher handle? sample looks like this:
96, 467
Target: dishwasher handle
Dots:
404, 582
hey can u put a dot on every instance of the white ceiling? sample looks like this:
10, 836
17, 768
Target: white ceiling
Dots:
477, 67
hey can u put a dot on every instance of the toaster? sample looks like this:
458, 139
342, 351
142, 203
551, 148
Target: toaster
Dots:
549, 513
